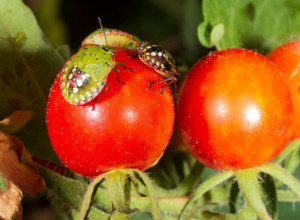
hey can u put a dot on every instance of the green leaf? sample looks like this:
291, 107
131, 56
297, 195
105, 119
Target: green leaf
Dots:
28, 61
255, 24
49, 17
69, 191
29, 64
58, 208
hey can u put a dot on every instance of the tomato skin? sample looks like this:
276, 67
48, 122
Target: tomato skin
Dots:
234, 110
287, 59
129, 128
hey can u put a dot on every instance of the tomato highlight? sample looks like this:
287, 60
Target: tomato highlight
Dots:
130, 126
235, 110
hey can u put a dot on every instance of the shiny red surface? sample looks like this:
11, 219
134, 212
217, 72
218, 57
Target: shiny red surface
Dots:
129, 128
235, 110
287, 58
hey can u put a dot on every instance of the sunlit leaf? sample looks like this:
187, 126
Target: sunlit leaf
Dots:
29, 64
255, 24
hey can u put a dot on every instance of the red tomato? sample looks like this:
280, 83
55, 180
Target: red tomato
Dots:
287, 58
129, 128
234, 110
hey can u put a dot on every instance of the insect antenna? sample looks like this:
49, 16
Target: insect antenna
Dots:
102, 30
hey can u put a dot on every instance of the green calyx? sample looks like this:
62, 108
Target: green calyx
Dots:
118, 186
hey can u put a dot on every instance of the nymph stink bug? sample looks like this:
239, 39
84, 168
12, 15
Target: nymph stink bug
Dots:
160, 60
84, 75
115, 38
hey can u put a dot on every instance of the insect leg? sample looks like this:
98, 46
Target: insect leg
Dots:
123, 64
131, 55
103, 91
168, 81
118, 79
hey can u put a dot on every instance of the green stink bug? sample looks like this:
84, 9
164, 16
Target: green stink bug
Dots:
85, 73
115, 38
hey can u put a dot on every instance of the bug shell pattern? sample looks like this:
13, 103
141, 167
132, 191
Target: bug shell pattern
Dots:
114, 38
157, 58
85, 73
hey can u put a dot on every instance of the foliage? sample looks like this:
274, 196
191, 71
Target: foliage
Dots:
30, 63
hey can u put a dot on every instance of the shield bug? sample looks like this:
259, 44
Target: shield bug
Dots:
111, 37
160, 60
85, 73
115, 38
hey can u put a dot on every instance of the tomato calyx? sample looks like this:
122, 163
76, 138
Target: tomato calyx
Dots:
118, 183
247, 180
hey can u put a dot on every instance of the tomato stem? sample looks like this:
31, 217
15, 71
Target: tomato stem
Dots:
116, 183
119, 216
204, 187
186, 186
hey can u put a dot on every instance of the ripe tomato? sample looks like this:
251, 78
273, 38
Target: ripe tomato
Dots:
129, 128
234, 110
287, 58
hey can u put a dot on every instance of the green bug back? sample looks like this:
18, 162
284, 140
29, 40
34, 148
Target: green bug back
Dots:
114, 38
84, 75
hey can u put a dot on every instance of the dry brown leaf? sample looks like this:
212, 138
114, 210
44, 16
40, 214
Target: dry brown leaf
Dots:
15, 121
10, 201
17, 166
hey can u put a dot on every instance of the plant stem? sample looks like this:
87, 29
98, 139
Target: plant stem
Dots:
204, 187
186, 186
115, 185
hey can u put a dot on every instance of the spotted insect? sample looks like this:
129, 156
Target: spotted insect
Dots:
85, 74
111, 37
160, 60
